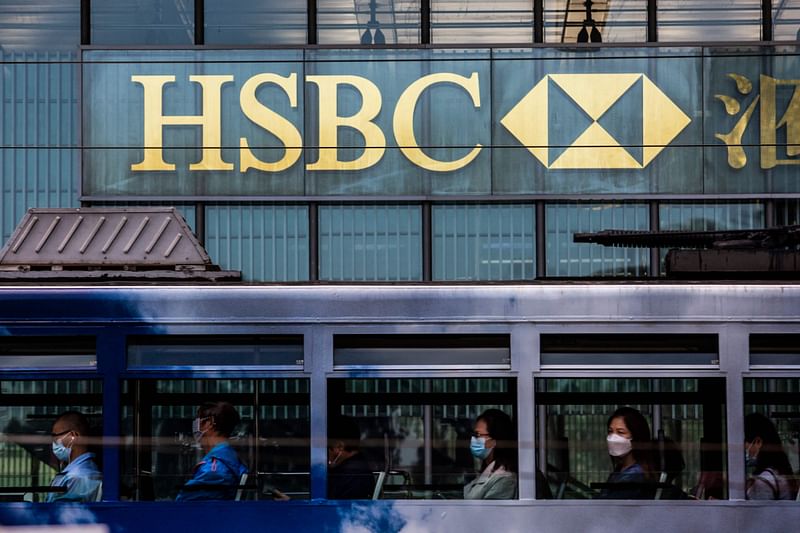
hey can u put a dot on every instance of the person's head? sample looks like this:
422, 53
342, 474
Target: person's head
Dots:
344, 438
628, 436
215, 422
763, 446
495, 439
69, 434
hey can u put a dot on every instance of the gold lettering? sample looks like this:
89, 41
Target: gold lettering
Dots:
209, 121
271, 121
403, 122
770, 124
362, 121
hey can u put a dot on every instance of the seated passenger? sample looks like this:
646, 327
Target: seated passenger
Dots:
217, 475
349, 474
629, 446
80, 475
494, 442
772, 477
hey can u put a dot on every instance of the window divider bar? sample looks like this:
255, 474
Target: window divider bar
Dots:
766, 20
541, 245
199, 22
425, 22
311, 21
313, 241
655, 252
427, 242
538, 21
652, 21
86, 22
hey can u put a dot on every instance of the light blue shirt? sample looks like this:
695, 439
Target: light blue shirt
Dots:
82, 479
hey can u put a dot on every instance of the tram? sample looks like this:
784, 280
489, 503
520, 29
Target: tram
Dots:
413, 366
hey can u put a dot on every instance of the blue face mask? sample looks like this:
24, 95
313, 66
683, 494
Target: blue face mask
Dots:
477, 445
750, 462
61, 452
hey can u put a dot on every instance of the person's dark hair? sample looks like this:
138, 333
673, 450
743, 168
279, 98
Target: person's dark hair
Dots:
501, 428
641, 440
75, 421
771, 455
344, 429
222, 414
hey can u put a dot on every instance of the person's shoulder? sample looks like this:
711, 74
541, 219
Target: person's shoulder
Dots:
635, 468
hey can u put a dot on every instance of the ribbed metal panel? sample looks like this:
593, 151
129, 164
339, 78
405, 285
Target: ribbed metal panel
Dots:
38, 139
188, 211
565, 258
484, 242
370, 243
265, 242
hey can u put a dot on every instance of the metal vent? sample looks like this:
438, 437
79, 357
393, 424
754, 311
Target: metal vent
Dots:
105, 239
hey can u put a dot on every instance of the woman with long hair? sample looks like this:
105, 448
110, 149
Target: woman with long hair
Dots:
630, 447
494, 442
772, 477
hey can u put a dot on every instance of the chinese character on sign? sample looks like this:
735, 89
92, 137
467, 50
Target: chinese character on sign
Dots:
769, 122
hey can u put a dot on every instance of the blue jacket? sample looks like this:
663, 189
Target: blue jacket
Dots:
82, 479
630, 485
215, 477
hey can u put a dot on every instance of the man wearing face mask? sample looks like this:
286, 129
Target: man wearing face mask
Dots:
79, 475
349, 474
217, 475
494, 443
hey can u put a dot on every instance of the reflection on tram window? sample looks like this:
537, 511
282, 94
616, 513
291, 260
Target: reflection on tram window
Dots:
415, 434
607, 21
632, 438
28, 410
270, 440
772, 438
701, 20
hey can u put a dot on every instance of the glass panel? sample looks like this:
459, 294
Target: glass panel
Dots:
629, 350
39, 24
418, 432
484, 242
772, 412
216, 351
370, 243
122, 22
703, 21
565, 258
22, 352
255, 22
28, 411
787, 212
786, 20
270, 439
477, 22
413, 351
264, 242
368, 22
775, 350
569, 21
676, 427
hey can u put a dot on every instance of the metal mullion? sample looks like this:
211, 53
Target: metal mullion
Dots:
540, 242
86, 22
427, 242
311, 21
199, 22
538, 21
652, 21
425, 22
766, 20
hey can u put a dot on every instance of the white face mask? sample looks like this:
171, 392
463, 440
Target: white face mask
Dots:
618, 445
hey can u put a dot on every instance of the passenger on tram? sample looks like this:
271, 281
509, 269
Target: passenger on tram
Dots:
80, 475
494, 442
772, 477
630, 448
349, 474
218, 474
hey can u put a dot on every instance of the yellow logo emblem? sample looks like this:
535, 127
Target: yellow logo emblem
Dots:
595, 148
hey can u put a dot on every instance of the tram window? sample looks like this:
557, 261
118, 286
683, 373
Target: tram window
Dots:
417, 431
271, 440
21, 352
775, 350
777, 399
215, 351
613, 350
27, 412
429, 351
680, 450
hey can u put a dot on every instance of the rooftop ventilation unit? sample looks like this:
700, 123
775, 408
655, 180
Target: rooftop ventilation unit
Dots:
147, 243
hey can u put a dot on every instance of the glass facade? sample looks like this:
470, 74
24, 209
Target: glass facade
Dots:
608, 21
701, 21
368, 22
233, 22
144, 22
475, 22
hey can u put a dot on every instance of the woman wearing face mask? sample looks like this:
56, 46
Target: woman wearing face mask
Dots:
772, 477
494, 442
629, 446
217, 475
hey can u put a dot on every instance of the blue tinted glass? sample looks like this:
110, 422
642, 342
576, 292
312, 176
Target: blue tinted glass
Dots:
39, 25
143, 22
566, 258
255, 22
470, 22
370, 243
368, 22
786, 20
483, 242
265, 242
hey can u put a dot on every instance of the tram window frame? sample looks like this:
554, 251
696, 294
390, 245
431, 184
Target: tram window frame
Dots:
401, 482
774, 351
90, 404
260, 486
615, 399
20, 353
